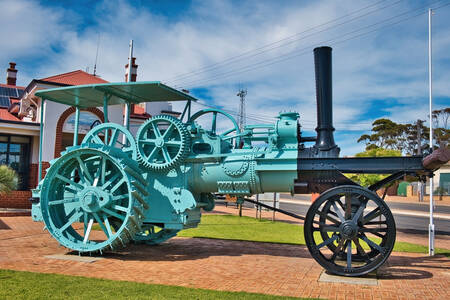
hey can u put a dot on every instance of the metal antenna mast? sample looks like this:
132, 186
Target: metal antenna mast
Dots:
430, 85
96, 55
241, 117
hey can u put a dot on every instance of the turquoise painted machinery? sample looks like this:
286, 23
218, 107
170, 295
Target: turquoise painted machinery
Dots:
113, 188
149, 186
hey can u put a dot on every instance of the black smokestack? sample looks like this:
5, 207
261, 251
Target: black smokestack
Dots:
324, 94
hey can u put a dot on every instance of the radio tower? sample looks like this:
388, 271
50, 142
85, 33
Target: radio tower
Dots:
241, 117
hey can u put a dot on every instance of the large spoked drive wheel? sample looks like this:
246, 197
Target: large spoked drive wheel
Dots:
112, 135
349, 231
93, 198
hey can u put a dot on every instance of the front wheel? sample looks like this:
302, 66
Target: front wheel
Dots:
349, 230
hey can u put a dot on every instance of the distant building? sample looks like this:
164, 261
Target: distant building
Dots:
20, 123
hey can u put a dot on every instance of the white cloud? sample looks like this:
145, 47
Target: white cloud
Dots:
389, 64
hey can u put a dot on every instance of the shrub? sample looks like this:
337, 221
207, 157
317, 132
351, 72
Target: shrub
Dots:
8, 179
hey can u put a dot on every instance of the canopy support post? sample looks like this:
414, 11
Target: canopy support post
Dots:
41, 138
126, 121
105, 114
77, 123
189, 109
105, 107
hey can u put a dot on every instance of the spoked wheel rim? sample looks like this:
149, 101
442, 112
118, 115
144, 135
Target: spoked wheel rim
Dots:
350, 231
113, 135
162, 142
84, 187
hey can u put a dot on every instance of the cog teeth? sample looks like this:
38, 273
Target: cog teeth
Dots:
138, 212
182, 152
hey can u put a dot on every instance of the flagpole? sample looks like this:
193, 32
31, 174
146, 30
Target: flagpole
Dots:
430, 85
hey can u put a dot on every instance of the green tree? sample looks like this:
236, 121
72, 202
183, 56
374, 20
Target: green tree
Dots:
8, 179
441, 124
386, 134
369, 179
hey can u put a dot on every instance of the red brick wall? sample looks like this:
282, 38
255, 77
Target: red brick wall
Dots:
60, 124
34, 168
16, 199
20, 199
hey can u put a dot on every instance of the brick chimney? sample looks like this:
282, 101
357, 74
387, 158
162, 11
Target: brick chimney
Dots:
11, 74
133, 70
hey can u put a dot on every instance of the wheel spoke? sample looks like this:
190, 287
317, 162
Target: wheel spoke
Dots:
338, 212
156, 130
338, 249
328, 217
360, 249
359, 212
113, 138
166, 154
121, 208
152, 154
348, 206
97, 139
88, 231
373, 230
103, 172
111, 180
118, 184
120, 197
72, 220
148, 141
99, 221
214, 123
62, 201
372, 244
349, 254
327, 228
173, 143
107, 225
113, 213
329, 241
168, 131
69, 181
85, 222
372, 215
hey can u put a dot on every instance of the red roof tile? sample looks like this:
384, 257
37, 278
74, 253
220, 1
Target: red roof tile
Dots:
12, 86
5, 115
75, 78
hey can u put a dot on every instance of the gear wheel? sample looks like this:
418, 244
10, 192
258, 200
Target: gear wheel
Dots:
162, 143
93, 186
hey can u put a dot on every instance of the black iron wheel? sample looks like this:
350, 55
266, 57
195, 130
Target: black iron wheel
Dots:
349, 230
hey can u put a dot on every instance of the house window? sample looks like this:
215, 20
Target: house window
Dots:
15, 151
87, 121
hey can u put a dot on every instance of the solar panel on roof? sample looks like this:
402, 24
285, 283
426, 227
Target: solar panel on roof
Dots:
4, 101
10, 92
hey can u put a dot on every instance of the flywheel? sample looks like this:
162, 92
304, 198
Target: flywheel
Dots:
93, 198
162, 142
112, 135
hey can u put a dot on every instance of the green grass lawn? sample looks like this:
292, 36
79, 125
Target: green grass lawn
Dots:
27, 285
231, 227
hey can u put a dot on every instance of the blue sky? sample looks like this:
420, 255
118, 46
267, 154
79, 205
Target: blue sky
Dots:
379, 69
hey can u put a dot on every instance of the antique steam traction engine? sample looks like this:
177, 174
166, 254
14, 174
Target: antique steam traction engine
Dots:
150, 186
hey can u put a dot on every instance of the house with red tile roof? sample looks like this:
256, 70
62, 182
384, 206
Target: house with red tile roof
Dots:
20, 123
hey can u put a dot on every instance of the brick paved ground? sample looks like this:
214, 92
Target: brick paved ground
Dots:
441, 241
224, 265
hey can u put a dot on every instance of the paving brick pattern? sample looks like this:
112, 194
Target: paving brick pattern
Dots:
224, 265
